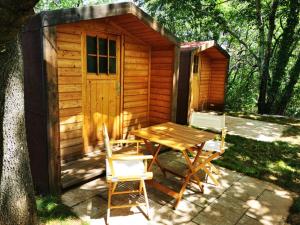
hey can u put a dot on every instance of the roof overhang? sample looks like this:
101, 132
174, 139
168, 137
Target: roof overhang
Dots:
65, 16
202, 46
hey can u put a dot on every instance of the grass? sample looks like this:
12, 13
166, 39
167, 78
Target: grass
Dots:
51, 211
276, 162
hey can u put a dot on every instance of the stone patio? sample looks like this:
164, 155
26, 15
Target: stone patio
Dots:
238, 200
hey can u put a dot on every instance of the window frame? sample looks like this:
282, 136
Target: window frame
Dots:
108, 37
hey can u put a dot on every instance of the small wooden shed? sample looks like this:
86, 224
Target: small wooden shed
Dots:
87, 66
202, 78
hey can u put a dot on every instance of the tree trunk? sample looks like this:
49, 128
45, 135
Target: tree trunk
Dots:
289, 89
17, 201
265, 63
283, 55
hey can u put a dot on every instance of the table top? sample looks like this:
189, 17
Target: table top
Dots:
175, 136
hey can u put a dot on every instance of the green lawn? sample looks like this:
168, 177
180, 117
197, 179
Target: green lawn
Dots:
51, 211
276, 162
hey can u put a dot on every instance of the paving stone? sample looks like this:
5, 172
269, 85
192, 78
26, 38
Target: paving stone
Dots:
224, 210
183, 214
215, 217
246, 189
272, 207
246, 220
85, 191
91, 209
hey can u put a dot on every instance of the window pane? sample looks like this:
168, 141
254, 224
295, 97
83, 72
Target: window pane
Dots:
112, 65
102, 46
91, 64
91, 45
102, 64
112, 47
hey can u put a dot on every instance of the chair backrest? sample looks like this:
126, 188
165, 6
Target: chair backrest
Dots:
208, 121
107, 145
211, 122
108, 149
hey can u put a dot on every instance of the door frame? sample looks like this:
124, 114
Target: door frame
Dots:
119, 38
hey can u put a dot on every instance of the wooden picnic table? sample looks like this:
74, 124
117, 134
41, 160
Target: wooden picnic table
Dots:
176, 137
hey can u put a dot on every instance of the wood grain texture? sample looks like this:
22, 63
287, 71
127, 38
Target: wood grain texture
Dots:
136, 85
69, 65
161, 85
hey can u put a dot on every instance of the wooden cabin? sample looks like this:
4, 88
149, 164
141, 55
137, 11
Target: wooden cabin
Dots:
202, 78
87, 66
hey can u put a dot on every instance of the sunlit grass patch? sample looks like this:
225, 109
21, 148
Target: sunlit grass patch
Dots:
51, 211
277, 162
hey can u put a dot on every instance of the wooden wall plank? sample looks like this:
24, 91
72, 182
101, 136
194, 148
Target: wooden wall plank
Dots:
136, 85
161, 81
70, 90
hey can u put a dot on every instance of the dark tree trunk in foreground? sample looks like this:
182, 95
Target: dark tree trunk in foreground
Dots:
289, 89
17, 202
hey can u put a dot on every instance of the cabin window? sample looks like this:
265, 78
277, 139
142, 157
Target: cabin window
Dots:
101, 55
196, 64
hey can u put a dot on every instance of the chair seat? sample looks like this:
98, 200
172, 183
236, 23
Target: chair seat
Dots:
212, 145
126, 168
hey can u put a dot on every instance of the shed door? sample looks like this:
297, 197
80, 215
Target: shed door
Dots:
102, 87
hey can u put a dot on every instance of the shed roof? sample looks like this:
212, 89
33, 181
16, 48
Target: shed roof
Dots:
207, 46
125, 14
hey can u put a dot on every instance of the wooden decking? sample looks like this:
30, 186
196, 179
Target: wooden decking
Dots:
86, 168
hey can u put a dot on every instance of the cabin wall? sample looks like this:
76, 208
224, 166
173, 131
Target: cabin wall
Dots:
217, 84
69, 65
136, 85
162, 62
136, 57
205, 79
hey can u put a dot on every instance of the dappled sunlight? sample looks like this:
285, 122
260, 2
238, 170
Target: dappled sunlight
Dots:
236, 197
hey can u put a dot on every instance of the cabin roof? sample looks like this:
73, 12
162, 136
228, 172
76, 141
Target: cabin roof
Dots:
204, 46
125, 14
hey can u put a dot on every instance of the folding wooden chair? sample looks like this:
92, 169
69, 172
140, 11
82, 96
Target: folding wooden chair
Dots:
123, 168
212, 149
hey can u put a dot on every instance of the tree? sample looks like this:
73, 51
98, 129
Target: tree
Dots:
17, 200
260, 35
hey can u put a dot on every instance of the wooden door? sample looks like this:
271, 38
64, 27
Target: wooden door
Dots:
102, 88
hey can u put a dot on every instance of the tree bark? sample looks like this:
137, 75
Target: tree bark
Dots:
282, 55
289, 88
17, 200
265, 54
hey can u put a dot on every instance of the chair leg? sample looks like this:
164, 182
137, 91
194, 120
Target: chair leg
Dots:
214, 169
146, 198
211, 176
140, 187
114, 186
109, 202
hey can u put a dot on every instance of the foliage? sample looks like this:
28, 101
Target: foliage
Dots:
59, 4
262, 38
51, 211
276, 162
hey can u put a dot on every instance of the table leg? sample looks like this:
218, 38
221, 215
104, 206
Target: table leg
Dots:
191, 167
154, 152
